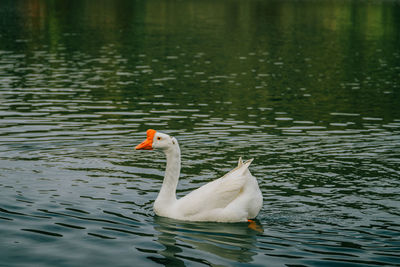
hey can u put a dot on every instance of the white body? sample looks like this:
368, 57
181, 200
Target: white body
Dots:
234, 197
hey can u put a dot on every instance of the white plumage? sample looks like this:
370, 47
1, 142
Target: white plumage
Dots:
235, 197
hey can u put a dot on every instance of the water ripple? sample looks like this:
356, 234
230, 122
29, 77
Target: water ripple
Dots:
76, 97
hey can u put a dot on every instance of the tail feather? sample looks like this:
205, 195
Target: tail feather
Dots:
240, 162
248, 162
245, 166
242, 167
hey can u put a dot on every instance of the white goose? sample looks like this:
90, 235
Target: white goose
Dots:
235, 197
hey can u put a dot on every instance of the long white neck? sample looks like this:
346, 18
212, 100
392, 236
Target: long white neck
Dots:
167, 195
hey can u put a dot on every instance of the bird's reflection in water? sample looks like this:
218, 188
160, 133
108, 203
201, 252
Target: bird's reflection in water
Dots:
204, 241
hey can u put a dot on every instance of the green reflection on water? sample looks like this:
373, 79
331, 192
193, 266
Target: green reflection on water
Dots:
308, 58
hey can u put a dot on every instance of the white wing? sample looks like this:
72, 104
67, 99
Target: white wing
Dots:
218, 193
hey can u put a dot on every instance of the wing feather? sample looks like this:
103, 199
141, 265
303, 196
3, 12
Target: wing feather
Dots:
218, 193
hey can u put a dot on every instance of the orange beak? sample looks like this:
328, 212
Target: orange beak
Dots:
148, 143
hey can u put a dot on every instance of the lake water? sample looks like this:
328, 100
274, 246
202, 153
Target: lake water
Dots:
309, 89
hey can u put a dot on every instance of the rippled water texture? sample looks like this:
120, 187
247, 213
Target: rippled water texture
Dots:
310, 89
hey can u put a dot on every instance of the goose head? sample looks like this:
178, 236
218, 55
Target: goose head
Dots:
157, 140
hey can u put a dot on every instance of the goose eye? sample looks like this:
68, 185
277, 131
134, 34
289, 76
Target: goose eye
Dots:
158, 138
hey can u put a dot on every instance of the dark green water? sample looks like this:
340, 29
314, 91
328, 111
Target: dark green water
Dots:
310, 89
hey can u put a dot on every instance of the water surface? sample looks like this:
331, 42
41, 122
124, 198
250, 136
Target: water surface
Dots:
310, 89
